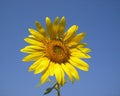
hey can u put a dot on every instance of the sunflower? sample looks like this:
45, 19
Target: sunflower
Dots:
56, 52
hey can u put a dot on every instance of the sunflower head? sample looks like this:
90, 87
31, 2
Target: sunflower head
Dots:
56, 51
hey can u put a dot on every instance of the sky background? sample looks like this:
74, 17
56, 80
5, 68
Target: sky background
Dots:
100, 19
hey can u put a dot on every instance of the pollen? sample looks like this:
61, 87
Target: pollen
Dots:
57, 52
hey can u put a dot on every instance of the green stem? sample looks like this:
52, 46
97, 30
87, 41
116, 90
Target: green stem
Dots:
57, 87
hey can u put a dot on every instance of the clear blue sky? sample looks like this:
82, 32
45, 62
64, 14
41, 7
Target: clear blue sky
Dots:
100, 19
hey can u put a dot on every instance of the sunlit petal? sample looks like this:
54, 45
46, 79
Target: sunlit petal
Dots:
40, 28
42, 66
79, 63
58, 73
70, 33
52, 69
44, 77
49, 27
73, 71
67, 71
62, 26
33, 56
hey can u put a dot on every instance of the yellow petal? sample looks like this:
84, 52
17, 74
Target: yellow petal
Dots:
75, 44
72, 44
84, 50
79, 63
70, 33
35, 64
26, 50
73, 71
44, 77
56, 21
33, 56
33, 42
62, 76
32, 48
79, 37
35, 47
40, 28
50, 27
51, 68
36, 34
65, 68
58, 73
32, 37
55, 27
42, 66
62, 26
80, 55
81, 45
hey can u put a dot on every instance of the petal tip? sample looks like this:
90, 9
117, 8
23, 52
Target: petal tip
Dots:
29, 29
36, 21
47, 19
21, 50
63, 17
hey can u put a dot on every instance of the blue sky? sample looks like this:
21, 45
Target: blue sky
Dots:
100, 19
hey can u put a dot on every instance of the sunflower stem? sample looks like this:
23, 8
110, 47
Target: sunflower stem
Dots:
57, 88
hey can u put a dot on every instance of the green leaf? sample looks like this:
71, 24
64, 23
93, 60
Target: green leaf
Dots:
48, 90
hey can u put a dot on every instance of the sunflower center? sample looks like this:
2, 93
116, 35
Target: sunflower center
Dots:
57, 49
57, 52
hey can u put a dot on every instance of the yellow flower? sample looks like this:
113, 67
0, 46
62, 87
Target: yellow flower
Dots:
56, 52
